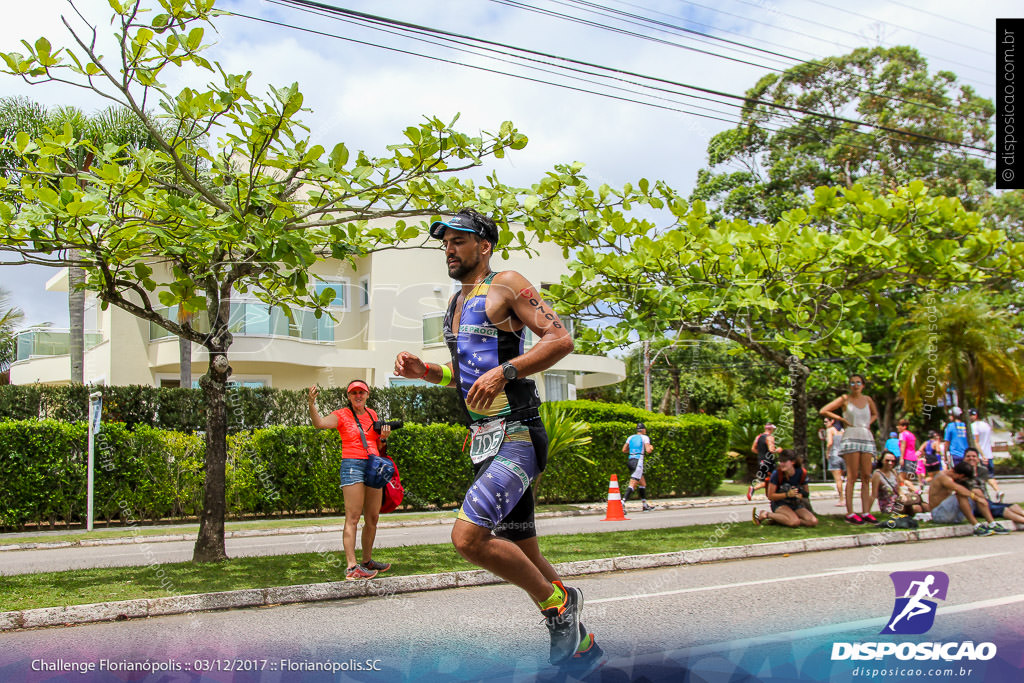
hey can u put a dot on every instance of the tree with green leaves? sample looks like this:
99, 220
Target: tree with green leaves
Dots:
876, 116
188, 225
960, 341
789, 291
115, 125
11, 318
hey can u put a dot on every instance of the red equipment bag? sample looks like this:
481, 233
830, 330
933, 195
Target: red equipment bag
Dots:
393, 491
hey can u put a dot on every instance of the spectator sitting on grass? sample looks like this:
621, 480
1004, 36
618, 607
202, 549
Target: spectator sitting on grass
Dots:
952, 502
979, 481
787, 491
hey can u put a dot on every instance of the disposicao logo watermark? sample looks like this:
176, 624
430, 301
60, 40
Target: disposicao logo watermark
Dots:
914, 614
916, 592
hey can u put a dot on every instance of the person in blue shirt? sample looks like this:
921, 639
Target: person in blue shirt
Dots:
637, 446
892, 444
956, 436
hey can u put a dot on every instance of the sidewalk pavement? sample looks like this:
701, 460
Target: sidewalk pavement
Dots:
446, 518
390, 586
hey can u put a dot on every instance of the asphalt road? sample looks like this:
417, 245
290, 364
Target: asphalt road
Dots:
766, 619
27, 561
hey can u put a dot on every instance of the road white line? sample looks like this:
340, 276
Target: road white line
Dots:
888, 568
797, 636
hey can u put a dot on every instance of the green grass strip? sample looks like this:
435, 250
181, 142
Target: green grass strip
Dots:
28, 591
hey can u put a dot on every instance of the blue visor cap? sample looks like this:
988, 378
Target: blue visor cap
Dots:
464, 224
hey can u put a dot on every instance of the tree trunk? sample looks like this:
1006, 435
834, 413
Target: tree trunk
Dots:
647, 376
210, 542
675, 384
798, 374
184, 354
76, 325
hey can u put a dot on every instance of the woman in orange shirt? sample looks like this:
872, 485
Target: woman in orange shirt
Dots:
360, 500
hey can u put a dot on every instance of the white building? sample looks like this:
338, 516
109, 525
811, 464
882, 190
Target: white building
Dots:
391, 301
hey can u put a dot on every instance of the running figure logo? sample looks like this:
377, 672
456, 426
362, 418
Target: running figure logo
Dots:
914, 611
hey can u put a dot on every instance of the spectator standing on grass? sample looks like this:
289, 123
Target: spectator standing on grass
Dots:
637, 446
765, 448
858, 445
788, 493
836, 464
952, 502
980, 481
982, 433
360, 499
908, 463
955, 437
484, 329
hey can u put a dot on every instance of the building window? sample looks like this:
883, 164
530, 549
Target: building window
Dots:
364, 292
340, 287
433, 329
556, 386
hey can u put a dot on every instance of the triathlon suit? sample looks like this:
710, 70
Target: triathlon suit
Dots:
765, 458
932, 462
857, 437
501, 496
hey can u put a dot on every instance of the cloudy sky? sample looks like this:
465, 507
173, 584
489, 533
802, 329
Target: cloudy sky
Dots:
365, 95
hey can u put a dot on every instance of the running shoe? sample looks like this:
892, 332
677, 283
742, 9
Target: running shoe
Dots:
374, 565
750, 492
869, 518
983, 530
998, 528
357, 572
854, 518
564, 625
647, 507
755, 519
589, 657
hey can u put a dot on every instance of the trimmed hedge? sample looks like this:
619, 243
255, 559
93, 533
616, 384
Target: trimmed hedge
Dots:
596, 412
183, 410
150, 474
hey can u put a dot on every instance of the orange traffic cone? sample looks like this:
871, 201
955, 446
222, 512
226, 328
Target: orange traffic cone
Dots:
616, 511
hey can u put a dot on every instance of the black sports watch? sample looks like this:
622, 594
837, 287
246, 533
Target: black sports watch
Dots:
509, 371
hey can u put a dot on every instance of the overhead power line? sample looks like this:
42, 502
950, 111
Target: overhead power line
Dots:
623, 72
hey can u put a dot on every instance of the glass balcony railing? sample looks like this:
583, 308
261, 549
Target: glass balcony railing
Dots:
50, 342
259, 320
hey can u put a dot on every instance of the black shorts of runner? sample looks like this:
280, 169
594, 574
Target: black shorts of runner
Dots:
519, 524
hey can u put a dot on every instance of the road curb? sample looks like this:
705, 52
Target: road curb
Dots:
395, 585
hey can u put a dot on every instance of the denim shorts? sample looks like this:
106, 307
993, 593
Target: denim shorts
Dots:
353, 471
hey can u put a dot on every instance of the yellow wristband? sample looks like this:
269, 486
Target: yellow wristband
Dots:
446, 376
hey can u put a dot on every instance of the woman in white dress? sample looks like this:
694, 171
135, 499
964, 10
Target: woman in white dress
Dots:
857, 446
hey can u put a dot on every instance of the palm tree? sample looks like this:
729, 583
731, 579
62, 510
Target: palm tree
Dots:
960, 342
113, 125
10, 318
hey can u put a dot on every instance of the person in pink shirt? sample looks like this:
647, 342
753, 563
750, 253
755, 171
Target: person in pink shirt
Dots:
908, 451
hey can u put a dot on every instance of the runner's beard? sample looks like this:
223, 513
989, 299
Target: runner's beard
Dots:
457, 271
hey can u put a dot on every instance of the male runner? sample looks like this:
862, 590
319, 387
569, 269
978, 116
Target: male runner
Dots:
637, 446
484, 332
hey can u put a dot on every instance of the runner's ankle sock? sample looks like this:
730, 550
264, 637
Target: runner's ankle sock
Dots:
643, 493
585, 643
629, 492
556, 599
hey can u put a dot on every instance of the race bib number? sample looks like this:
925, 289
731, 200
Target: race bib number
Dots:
486, 440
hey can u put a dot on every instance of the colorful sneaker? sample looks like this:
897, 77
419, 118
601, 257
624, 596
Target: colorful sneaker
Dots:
755, 518
589, 656
564, 625
750, 492
854, 518
374, 565
869, 519
983, 530
357, 572
998, 528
